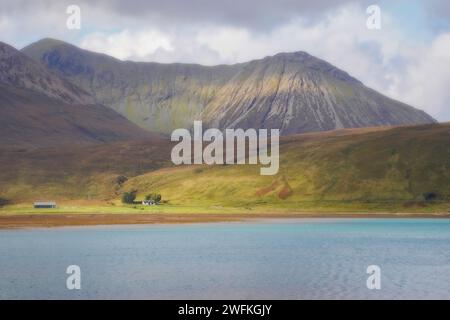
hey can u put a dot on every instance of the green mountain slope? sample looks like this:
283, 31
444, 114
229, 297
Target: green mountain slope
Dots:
155, 96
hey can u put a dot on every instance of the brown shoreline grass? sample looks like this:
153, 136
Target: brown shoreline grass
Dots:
95, 219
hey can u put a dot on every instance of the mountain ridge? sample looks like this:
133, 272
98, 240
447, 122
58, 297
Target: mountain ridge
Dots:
295, 92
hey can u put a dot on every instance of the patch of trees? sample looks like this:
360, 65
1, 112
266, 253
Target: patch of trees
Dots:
129, 197
153, 196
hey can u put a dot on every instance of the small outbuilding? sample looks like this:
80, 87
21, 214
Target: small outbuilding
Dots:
44, 204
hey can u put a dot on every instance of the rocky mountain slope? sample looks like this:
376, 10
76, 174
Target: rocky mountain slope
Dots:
294, 92
38, 108
299, 93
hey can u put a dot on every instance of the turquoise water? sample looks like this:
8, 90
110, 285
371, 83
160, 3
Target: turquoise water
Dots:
289, 259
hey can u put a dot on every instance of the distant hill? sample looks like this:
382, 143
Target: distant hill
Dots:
294, 92
38, 108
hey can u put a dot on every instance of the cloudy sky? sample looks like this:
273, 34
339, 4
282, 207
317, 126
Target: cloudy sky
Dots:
407, 59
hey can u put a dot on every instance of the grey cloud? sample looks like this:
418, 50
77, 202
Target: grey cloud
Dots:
438, 12
249, 13
252, 14
438, 8
255, 15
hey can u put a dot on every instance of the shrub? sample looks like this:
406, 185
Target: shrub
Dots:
129, 197
3, 202
120, 180
149, 196
198, 170
430, 196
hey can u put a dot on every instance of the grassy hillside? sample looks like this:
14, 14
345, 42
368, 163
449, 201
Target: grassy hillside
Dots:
401, 165
379, 169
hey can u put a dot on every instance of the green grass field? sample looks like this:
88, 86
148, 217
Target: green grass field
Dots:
337, 207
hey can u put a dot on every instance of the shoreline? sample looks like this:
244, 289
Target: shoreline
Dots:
95, 219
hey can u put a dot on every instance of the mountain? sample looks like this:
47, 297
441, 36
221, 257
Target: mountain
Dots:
38, 108
295, 92
155, 96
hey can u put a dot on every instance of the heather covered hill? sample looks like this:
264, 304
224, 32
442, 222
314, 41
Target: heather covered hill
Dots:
77, 172
38, 108
30, 119
294, 92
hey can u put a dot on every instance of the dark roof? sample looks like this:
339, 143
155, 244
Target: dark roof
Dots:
45, 203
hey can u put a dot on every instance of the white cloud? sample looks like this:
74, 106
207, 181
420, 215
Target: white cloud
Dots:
3, 24
426, 80
127, 44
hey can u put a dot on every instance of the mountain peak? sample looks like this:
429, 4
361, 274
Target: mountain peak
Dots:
49, 42
307, 61
294, 54
20, 71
